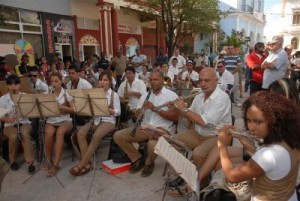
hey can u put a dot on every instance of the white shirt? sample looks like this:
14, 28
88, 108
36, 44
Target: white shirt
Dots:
138, 59
193, 75
152, 118
144, 77
117, 109
137, 86
215, 110
7, 103
276, 162
225, 79
82, 84
41, 86
61, 99
180, 64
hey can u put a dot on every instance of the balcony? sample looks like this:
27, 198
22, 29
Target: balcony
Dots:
294, 29
247, 8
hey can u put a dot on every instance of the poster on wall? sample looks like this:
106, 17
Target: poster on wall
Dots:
58, 31
24, 47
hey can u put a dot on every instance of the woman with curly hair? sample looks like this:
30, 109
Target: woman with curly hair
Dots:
274, 165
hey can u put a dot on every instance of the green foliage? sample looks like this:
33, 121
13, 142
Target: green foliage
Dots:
237, 39
178, 19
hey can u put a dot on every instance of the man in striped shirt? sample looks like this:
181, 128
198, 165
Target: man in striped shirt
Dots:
233, 65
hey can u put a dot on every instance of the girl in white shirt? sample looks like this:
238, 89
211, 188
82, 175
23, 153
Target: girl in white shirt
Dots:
58, 126
101, 126
274, 166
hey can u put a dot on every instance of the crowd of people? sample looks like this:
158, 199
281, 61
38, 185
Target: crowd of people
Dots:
135, 91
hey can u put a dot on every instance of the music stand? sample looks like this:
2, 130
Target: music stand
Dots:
90, 102
25, 86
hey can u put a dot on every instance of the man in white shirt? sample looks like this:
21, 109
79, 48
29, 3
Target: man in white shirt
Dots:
190, 76
138, 60
13, 122
76, 82
162, 118
226, 79
181, 60
172, 71
131, 89
213, 106
37, 84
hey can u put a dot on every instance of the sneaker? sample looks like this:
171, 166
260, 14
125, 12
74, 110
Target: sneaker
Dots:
14, 166
31, 169
147, 171
176, 182
136, 166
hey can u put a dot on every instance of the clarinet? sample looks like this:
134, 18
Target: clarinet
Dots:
140, 119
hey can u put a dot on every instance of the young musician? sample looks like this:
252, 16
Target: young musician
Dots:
37, 83
77, 82
163, 118
190, 76
12, 122
58, 126
100, 127
275, 164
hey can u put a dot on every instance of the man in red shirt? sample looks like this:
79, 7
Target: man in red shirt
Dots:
254, 61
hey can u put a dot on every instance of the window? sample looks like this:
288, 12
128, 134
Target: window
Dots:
84, 23
296, 18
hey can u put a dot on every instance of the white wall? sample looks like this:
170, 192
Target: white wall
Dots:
86, 10
62, 7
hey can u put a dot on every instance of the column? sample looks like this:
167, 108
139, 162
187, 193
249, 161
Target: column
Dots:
115, 34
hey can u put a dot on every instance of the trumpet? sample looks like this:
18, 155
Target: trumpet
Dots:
236, 133
184, 98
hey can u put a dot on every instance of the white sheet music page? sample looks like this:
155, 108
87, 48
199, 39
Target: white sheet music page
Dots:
183, 166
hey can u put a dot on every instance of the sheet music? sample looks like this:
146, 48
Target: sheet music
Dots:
181, 165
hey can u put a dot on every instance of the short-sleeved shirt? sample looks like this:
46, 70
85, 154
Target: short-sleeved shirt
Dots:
116, 105
41, 86
225, 79
252, 60
120, 64
82, 84
279, 70
7, 103
138, 59
193, 75
231, 62
214, 110
61, 99
152, 118
180, 64
137, 86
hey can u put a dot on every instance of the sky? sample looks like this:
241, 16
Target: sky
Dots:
274, 20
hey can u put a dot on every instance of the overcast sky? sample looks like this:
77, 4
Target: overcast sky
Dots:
274, 24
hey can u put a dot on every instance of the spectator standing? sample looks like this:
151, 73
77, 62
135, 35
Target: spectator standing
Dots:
138, 60
119, 64
161, 58
254, 61
103, 62
276, 63
233, 64
181, 61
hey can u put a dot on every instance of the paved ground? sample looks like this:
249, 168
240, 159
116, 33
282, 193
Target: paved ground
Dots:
97, 185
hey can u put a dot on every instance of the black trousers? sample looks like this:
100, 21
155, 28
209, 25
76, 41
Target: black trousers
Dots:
254, 87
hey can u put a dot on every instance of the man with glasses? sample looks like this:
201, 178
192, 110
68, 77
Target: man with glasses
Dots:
226, 79
254, 61
276, 63
37, 84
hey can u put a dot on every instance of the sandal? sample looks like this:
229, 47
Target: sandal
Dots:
46, 167
178, 191
80, 170
52, 171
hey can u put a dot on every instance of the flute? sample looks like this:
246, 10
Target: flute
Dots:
184, 98
236, 133
140, 119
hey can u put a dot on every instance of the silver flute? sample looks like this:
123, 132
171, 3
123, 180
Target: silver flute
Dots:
184, 98
236, 133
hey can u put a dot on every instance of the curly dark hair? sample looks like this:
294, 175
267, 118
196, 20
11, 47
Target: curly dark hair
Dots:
282, 114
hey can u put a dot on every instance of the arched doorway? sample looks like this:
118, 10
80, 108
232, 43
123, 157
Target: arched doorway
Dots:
88, 45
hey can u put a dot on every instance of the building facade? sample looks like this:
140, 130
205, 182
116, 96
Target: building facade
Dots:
242, 15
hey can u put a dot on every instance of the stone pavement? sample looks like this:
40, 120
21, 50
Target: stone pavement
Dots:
96, 185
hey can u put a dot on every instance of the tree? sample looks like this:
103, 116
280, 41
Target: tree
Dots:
178, 19
238, 40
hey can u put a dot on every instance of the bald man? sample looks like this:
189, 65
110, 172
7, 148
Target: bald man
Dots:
213, 106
